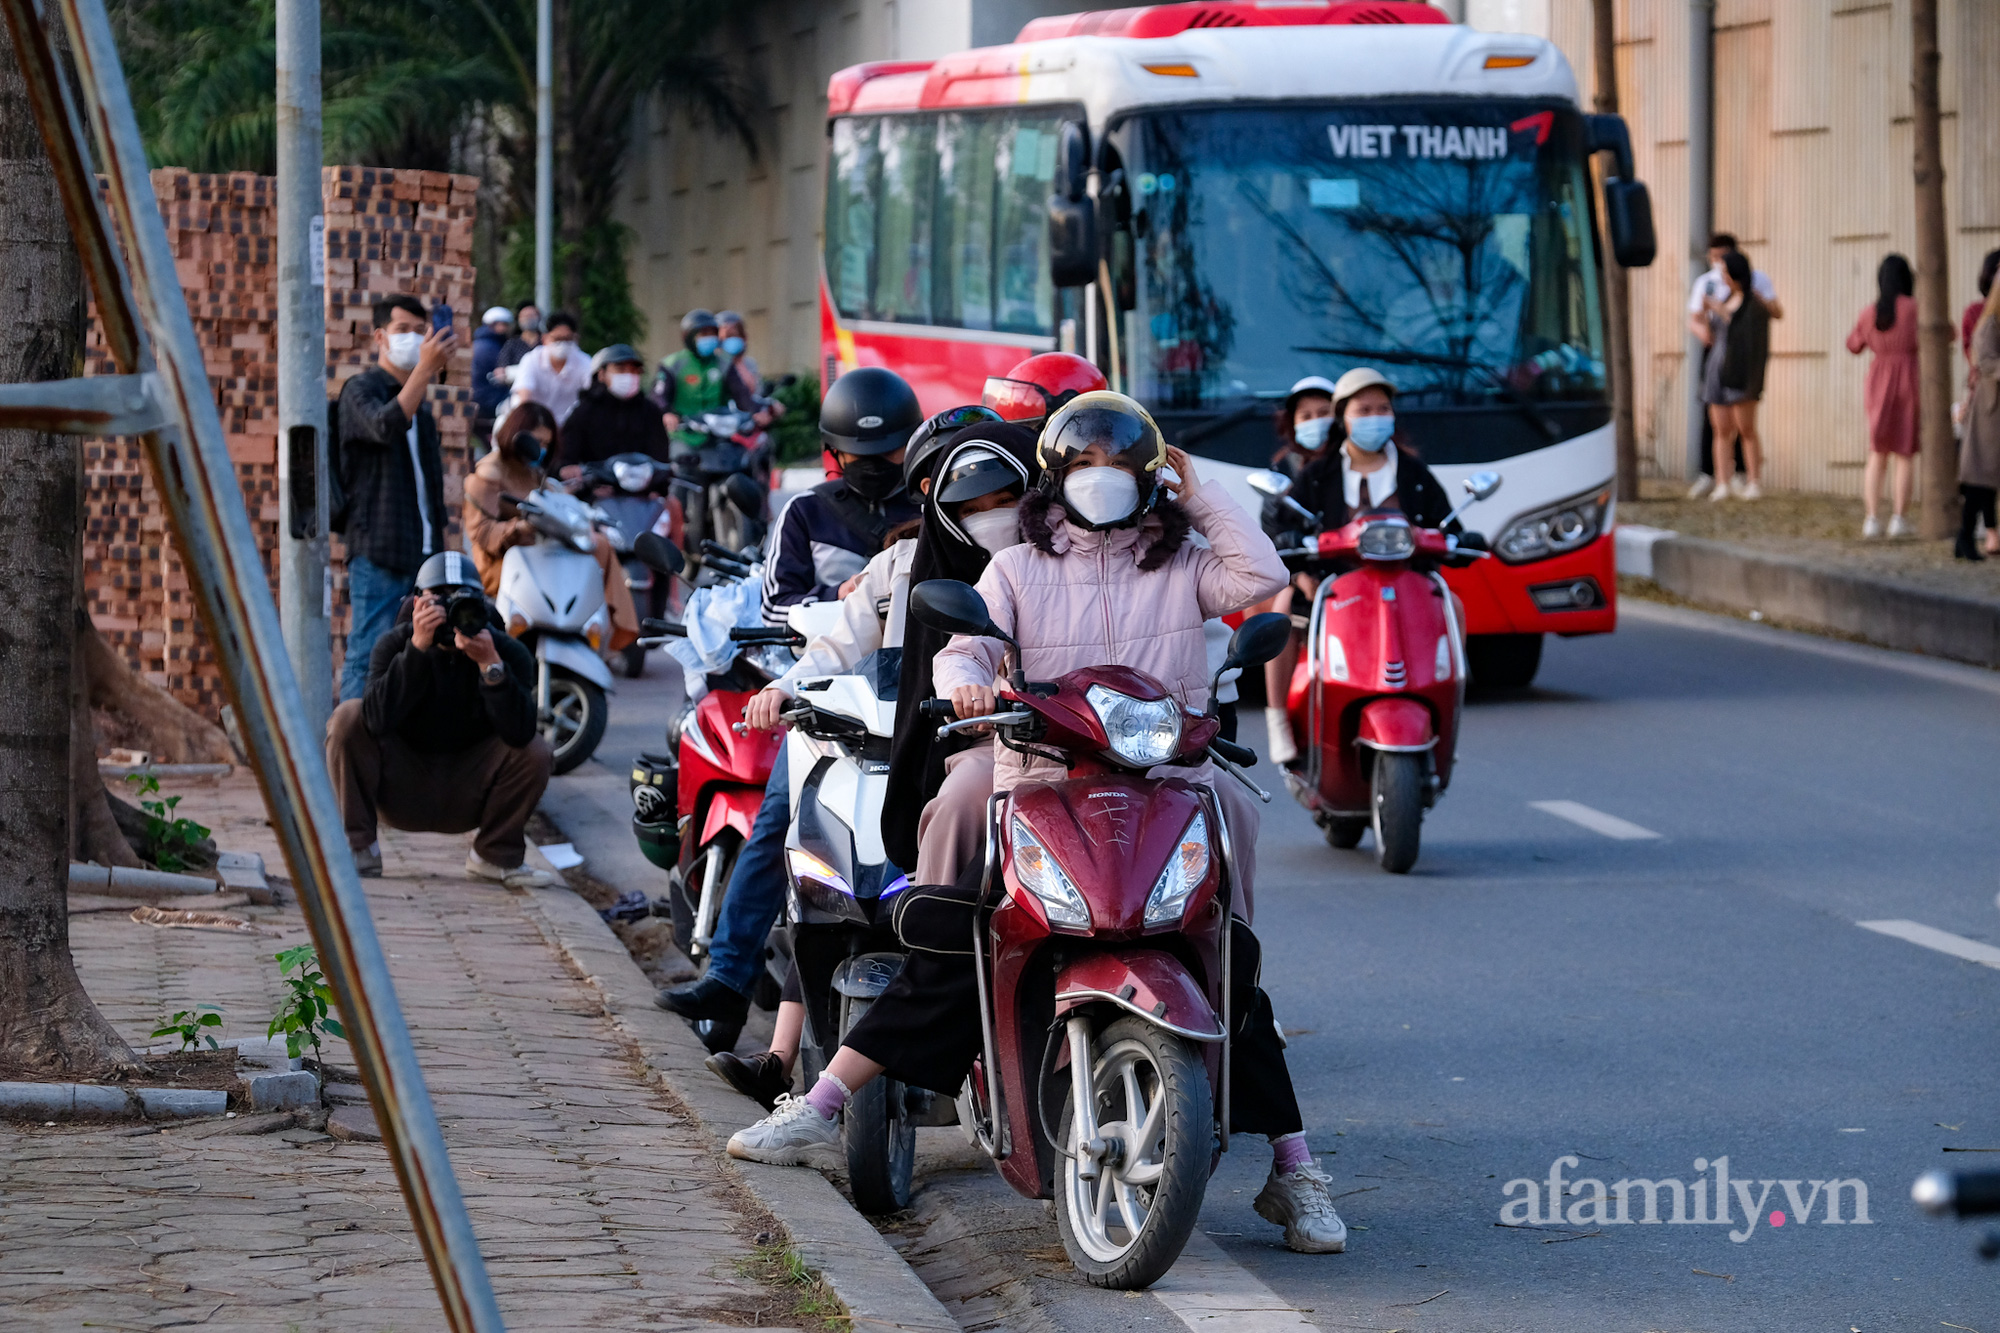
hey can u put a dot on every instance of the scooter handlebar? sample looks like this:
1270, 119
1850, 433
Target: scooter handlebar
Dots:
669, 627
1241, 755
767, 634
1966, 1194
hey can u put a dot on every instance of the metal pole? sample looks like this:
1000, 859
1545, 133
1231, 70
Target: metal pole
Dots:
1701, 196
305, 579
545, 156
148, 330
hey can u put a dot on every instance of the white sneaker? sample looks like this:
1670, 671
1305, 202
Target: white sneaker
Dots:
790, 1136
1871, 528
1739, 487
1299, 1203
1899, 526
1719, 494
523, 876
1751, 491
1284, 748
1703, 484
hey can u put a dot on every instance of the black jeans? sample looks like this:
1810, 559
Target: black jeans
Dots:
1979, 503
924, 1030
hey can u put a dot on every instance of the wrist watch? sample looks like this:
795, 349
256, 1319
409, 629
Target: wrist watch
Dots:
493, 673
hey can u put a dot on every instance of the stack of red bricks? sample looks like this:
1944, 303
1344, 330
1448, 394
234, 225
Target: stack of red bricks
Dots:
387, 231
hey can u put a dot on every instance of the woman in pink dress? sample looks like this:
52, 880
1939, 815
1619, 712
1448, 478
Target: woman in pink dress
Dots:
1888, 328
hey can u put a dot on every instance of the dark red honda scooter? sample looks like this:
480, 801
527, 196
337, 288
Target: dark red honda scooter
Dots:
1376, 698
1102, 949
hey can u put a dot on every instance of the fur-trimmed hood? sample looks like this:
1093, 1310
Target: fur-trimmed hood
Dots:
1045, 525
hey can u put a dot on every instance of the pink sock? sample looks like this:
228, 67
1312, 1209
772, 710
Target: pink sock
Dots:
827, 1096
1289, 1153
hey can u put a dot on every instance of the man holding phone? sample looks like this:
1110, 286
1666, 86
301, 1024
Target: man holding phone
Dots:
444, 740
392, 473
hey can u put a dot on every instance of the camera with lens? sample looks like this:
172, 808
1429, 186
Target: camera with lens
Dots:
465, 611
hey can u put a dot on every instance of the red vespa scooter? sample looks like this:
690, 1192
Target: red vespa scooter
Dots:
1378, 694
1102, 952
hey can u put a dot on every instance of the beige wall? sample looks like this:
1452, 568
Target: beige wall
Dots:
718, 229
1812, 173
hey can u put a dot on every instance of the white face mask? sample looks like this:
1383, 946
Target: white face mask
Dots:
1311, 435
559, 351
623, 384
993, 529
404, 349
1101, 495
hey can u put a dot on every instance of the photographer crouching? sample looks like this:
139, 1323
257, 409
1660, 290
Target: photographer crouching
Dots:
444, 739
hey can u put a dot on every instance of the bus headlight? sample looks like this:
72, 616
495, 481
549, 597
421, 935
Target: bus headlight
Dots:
1563, 527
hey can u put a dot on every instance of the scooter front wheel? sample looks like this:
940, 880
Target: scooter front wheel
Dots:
879, 1136
578, 714
1156, 1118
1399, 809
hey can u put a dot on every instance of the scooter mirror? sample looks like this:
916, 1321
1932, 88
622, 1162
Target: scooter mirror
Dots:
658, 554
953, 608
1274, 484
1480, 485
1260, 639
745, 494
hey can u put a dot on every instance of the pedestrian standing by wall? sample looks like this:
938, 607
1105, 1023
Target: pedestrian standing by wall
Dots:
489, 340
1733, 377
1969, 321
1979, 451
1713, 284
1888, 327
393, 475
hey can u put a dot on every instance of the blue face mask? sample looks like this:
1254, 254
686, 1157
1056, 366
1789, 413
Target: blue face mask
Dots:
734, 346
1311, 435
1372, 433
704, 344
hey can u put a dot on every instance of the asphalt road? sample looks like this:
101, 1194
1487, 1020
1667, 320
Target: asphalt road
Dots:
1538, 989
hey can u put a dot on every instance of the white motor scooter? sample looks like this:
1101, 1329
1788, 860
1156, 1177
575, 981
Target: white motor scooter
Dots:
552, 599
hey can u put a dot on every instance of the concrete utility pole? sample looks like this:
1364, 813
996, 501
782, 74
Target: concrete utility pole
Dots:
305, 587
1935, 343
1617, 284
1701, 197
545, 156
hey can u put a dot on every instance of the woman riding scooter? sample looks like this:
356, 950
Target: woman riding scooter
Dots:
1107, 574
1369, 470
527, 449
972, 470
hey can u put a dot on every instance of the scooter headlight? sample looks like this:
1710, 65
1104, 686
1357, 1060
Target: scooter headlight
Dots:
633, 477
1387, 539
1036, 868
1142, 731
1185, 871
809, 869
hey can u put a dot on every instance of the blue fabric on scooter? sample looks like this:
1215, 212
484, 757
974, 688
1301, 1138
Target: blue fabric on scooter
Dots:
756, 887
709, 616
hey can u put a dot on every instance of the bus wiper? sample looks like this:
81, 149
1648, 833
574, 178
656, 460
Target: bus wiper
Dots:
1400, 356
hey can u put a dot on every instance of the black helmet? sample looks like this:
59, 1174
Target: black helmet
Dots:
931, 438
448, 569
693, 322
870, 411
1120, 428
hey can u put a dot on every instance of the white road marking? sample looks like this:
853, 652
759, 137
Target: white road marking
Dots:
1932, 938
1209, 1291
1611, 826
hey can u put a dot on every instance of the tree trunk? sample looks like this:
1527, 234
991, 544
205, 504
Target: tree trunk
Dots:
1934, 331
1617, 285
47, 1023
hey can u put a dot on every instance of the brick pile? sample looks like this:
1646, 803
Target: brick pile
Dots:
387, 231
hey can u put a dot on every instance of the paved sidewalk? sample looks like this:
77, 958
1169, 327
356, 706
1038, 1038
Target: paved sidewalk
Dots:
597, 1204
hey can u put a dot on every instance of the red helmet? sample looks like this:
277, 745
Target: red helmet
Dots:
1038, 386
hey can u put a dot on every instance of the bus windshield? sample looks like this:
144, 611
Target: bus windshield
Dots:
1447, 243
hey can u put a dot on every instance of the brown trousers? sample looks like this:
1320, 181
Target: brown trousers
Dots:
491, 787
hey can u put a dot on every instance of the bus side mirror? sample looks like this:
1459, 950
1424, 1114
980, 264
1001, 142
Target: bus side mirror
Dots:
1072, 214
1628, 206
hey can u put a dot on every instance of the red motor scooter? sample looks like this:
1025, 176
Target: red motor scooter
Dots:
1102, 952
1376, 698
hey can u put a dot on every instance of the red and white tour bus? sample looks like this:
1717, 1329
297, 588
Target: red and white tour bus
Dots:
1213, 200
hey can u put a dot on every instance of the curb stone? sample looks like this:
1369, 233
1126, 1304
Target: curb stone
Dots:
878, 1288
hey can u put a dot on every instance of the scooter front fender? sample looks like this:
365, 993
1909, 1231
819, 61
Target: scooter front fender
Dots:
1396, 725
1145, 982
733, 807
575, 657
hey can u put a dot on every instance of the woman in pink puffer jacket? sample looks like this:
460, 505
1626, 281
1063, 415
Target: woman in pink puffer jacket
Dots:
1110, 575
